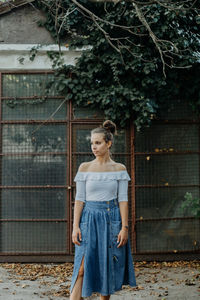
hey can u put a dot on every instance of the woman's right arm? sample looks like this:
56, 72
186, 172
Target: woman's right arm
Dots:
76, 234
78, 207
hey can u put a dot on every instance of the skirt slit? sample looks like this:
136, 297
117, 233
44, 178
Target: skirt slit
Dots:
76, 271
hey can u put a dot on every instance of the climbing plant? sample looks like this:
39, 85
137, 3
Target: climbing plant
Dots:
136, 55
191, 205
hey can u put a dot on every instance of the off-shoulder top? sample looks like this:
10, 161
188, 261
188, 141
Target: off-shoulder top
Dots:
102, 186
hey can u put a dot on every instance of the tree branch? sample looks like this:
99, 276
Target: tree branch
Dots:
152, 35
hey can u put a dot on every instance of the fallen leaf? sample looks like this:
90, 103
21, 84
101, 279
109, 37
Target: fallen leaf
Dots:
189, 282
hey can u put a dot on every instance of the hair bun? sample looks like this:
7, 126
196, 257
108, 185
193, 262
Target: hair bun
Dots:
110, 126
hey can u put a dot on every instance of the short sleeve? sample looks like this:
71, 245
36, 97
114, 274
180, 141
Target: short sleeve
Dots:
80, 189
123, 188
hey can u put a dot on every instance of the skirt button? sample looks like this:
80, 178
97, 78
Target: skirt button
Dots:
108, 209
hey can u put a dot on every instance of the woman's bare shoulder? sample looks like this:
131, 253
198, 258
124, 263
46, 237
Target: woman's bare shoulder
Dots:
120, 167
88, 166
84, 166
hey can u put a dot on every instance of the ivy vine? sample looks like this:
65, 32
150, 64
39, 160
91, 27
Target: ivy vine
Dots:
122, 71
12, 103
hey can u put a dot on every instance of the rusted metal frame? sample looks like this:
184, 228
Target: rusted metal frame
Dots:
25, 187
0, 152
33, 97
69, 200
32, 153
133, 212
64, 258
165, 219
72, 184
168, 257
87, 121
199, 152
171, 122
64, 253
153, 186
166, 186
25, 220
44, 122
169, 252
27, 72
167, 153
33, 253
34, 220
33, 186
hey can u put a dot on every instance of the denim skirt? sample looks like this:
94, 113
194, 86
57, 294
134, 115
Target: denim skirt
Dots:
106, 267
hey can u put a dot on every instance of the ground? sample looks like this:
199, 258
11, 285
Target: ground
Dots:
164, 281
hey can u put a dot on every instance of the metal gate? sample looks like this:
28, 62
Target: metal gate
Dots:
44, 139
167, 166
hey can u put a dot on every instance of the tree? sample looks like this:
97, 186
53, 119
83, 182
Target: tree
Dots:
141, 54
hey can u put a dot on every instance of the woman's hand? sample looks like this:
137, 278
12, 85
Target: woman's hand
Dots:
122, 237
76, 236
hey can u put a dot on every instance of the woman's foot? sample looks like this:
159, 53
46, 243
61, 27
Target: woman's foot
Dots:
104, 297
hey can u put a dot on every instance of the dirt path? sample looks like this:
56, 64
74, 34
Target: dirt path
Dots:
164, 281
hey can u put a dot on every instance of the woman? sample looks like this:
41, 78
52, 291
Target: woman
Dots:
103, 261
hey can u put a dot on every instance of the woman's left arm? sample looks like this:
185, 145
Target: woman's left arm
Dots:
123, 234
123, 206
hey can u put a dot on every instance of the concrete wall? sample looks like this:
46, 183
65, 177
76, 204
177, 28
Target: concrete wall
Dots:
12, 54
19, 33
19, 26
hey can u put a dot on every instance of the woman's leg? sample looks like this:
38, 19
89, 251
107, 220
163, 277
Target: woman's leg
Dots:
104, 297
76, 292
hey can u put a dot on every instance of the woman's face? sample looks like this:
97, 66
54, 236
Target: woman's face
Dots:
98, 144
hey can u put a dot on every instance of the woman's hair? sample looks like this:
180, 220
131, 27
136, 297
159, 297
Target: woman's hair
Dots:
108, 128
